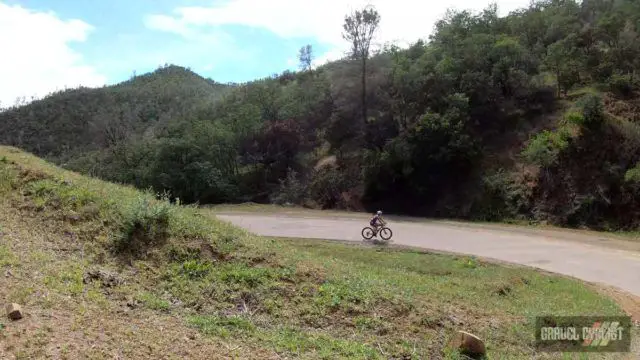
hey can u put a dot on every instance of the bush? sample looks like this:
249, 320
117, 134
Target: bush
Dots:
545, 147
143, 224
291, 190
327, 186
592, 110
574, 117
633, 175
621, 85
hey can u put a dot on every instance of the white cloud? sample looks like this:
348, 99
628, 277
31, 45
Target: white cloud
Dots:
208, 36
37, 58
402, 21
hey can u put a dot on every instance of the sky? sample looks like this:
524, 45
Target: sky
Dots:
50, 45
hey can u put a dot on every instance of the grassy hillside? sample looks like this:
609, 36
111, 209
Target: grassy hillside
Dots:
529, 117
104, 270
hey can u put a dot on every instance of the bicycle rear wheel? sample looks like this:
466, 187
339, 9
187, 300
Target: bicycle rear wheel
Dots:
367, 233
386, 233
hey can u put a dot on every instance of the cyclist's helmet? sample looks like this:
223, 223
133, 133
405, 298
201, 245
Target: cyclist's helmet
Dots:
379, 212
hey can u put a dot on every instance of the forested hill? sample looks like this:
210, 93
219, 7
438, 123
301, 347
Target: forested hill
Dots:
69, 123
532, 116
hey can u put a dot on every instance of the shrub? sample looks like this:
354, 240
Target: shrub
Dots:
574, 117
621, 85
502, 198
633, 175
545, 147
143, 224
291, 190
327, 185
592, 110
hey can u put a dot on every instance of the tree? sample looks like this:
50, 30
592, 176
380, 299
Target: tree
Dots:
305, 56
359, 28
562, 59
628, 50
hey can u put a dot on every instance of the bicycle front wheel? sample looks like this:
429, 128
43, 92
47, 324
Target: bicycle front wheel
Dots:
386, 233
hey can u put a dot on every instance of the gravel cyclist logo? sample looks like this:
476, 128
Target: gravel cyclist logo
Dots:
601, 333
583, 333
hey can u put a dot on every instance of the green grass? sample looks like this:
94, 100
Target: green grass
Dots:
7, 257
153, 302
182, 271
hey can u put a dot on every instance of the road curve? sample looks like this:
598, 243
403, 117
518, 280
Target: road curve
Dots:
618, 268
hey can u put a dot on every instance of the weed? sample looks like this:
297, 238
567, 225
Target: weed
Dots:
153, 302
67, 281
242, 274
21, 294
195, 269
223, 326
7, 178
325, 347
7, 257
468, 262
346, 293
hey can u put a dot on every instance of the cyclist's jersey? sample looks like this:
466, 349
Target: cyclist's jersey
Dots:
375, 220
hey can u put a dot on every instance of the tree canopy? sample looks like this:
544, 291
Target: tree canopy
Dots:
532, 116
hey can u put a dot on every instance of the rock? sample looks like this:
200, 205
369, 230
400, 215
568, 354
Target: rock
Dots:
107, 279
14, 311
468, 344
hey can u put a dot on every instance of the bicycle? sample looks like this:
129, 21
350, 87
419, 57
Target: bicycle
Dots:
385, 233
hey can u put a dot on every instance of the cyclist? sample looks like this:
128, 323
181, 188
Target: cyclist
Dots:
377, 222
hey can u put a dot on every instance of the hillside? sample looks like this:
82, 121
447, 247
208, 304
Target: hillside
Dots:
73, 122
529, 117
104, 271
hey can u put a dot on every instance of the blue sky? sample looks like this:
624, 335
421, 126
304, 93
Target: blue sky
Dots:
121, 43
58, 44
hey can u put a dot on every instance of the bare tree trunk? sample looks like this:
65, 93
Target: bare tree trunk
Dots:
364, 92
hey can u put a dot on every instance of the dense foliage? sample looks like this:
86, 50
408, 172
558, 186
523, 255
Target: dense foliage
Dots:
530, 116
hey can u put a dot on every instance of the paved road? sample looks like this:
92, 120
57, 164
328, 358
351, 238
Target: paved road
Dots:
588, 262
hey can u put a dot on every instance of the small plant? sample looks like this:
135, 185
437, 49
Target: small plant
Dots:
222, 326
7, 257
195, 269
145, 223
153, 302
245, 275
7, 178
574, 117
468, 263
